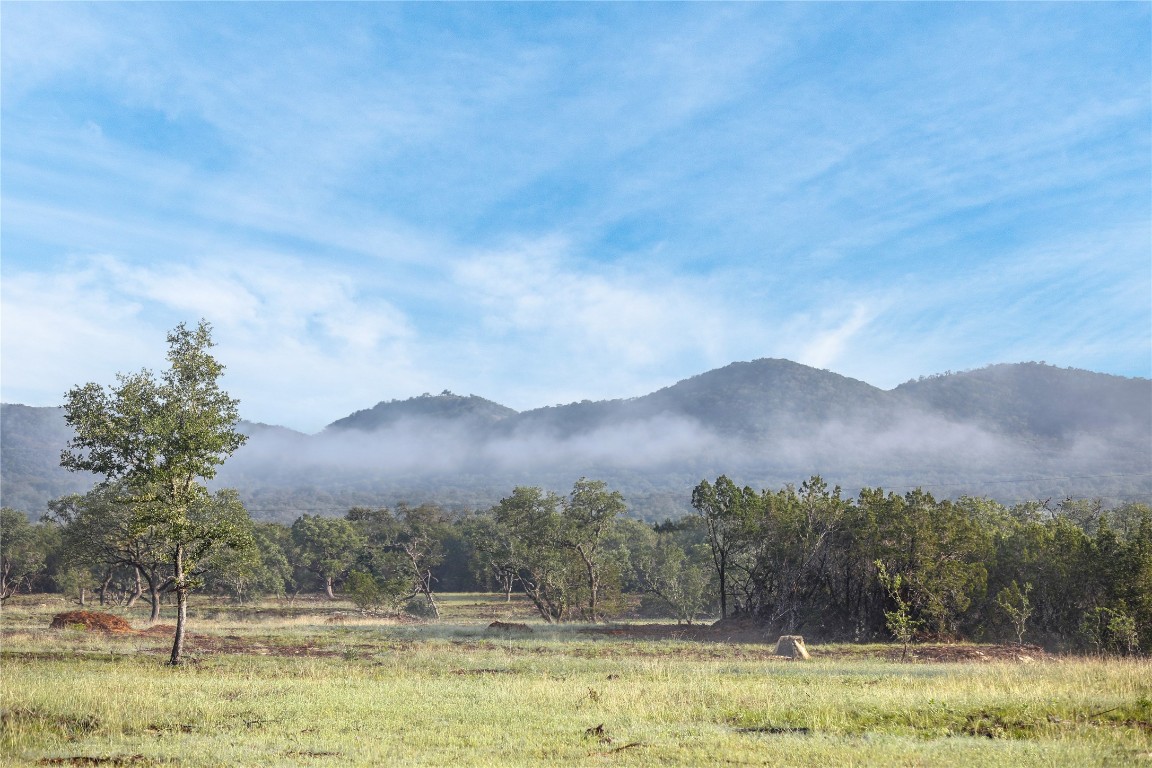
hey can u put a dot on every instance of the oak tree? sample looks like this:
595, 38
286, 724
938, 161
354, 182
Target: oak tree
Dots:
161, 438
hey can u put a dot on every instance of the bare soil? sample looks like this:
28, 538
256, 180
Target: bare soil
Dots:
509, 626
724, 631
91, 621
743, 631
952, 652
727, 632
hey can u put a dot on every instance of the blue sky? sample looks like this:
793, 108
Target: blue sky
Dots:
545, 203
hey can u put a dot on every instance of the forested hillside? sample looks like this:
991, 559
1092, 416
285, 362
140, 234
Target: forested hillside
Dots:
1010, 432
31, 440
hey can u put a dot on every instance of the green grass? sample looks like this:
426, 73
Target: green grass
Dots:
272, 685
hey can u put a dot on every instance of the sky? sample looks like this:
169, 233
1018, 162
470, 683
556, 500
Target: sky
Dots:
545, 203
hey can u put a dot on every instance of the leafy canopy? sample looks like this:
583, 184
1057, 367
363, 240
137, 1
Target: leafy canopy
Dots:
160, 436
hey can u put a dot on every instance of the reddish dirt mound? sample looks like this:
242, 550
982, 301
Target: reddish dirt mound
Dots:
506, 626
90, 621
157, 630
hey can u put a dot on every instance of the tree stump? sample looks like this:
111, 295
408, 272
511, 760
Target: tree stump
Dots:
791, 646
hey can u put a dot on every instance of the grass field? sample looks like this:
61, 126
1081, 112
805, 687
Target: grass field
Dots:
274, 684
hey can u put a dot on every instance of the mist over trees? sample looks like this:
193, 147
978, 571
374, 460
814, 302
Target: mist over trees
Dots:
1009, 432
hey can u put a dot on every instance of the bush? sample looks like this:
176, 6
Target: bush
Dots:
1110, 631
364, 591
420, 608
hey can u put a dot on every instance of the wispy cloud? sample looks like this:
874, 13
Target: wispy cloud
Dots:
549, 203
301, 344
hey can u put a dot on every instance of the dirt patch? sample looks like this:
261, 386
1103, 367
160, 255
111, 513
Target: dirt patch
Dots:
509, 626
776, 730
482, 672
91, 621
157, 630
208, 644
954, 653
86, 760
194, 642
940, 652
728, 631
745, 632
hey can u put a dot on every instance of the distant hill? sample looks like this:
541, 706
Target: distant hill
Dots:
746, 400
31, 440
1038, 400
470, 410
1013, 432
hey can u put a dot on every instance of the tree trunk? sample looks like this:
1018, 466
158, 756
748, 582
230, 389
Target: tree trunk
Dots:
594, 589
426, 588
103, 591
181, 606
537, 599
83, 597
137, 589
506, 581
7, 588
328, 587
593, 578
154, 595
723, 591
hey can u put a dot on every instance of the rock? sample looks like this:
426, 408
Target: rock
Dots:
792, 647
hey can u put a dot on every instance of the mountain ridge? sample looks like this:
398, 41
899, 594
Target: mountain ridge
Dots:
769, 421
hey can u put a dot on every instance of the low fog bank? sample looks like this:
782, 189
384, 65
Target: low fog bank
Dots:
656, 461
1015, 433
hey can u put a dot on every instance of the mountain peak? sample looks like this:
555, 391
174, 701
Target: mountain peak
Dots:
446, 406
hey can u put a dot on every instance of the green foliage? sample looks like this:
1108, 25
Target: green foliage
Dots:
155, 441
803, 559
1110, 631
105, 529
22, 554
795, 529
532, 547
673, 566
259, 569
899, 621
404, 548
77, 582
1014, 602
328, 547
421, 607
588, 521
567, 555
728, 514
160, 436
364, 591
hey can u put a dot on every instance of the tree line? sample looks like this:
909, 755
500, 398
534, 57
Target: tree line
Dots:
800, 559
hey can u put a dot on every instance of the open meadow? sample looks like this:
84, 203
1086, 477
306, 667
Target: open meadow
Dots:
314, 683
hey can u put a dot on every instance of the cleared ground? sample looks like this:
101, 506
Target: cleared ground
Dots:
315, 684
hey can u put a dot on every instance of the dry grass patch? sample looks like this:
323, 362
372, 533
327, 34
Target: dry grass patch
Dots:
295, 690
